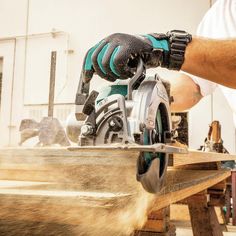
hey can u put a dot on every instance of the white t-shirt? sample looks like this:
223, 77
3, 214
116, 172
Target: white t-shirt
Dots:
219, 23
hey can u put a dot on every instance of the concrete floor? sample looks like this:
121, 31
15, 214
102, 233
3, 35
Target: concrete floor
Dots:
184, 229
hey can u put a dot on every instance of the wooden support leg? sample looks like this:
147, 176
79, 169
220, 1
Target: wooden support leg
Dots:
203, 217
234, 196
158, 224
228, 203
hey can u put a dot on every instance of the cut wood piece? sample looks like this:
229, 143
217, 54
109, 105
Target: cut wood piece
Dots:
193, 157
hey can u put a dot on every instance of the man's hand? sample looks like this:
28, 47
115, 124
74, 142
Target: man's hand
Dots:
116, 56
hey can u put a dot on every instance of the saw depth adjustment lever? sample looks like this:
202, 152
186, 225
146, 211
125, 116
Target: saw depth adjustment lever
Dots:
89, 104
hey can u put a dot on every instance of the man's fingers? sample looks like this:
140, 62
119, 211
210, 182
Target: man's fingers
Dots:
108, 62
88, 70
121, 62
97, 58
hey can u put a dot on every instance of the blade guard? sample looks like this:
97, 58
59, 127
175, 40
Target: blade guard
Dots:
152, 174
150, 180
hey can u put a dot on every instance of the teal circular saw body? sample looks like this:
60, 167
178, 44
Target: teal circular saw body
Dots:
133, 113
150, 96
111, 90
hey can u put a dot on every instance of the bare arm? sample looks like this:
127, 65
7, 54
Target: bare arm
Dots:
185, 93
214, 60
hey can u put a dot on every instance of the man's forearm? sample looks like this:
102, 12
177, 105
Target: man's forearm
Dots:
214, 60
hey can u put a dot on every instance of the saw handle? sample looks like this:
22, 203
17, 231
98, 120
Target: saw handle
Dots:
133, 84
137, 79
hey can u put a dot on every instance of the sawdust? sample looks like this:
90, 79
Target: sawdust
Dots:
86, 200
119, 221
85, 218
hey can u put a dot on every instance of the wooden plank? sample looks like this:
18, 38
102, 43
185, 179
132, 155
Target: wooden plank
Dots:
155, 226
158, 221
220, 186
94, 171
45, 159
72, 188
158, 215
187, 184
180, 212
88, 178
50, 154
23, 155
37, 152
51, 202
193, 157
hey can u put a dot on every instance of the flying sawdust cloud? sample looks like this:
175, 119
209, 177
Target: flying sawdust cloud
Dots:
82, 196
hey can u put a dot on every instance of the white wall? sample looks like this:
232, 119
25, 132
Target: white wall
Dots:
6, 111
12, 17
89, 21
1, 61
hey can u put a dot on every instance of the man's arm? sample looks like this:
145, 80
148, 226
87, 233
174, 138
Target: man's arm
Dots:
214, 60
185, 91
115, 56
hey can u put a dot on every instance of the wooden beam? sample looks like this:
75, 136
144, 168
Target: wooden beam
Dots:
50, 153
98, 171
204, 220
92, 170
188, 182
194, 157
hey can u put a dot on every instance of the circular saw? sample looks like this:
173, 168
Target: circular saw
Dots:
132, 114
